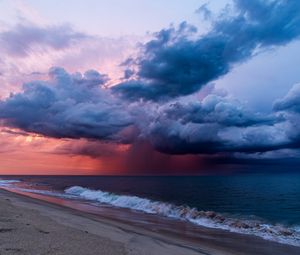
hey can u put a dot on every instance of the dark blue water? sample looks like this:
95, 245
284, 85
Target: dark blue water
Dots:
273, 197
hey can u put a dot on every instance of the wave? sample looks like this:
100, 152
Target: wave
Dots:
29, 188
278, 233
5, 183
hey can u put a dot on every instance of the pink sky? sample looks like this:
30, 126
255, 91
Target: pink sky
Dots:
79, 36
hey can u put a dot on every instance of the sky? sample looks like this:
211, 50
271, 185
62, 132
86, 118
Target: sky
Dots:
130, 87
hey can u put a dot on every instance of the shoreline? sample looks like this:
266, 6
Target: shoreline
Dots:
72, 228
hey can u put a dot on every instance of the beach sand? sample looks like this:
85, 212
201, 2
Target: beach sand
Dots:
31, 226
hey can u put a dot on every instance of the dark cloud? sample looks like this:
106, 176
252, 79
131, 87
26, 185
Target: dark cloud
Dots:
290, 107
218, 109
291, 102
128, 73
215, 124
206, 129
153, 106
176, 138
177, 62
67, 106
80, 106
22, 39
278, 162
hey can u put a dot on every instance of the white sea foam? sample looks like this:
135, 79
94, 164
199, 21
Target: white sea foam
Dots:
210, 219
6, 183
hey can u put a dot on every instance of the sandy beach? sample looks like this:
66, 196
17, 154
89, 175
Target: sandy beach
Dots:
31, 226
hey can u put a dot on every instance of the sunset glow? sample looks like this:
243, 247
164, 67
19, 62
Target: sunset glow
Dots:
193, 91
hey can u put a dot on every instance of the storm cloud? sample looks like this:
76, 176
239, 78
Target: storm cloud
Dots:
291, 102
179, 62
157, 101
66, 106
79, 106
215, 124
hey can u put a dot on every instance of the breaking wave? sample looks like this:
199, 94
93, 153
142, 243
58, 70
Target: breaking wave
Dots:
5, 183
278, 233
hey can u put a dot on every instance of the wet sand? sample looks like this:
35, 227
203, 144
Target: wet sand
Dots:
32, 226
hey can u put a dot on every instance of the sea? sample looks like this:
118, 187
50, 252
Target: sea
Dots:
265, 205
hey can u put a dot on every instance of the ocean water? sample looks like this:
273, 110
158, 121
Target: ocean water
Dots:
266, 205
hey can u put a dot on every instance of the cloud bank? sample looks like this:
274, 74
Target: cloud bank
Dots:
66, 106
79, 106
178, 62
157, 102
